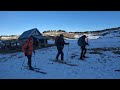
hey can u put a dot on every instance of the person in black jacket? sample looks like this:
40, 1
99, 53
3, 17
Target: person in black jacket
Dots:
82, 42
60, 45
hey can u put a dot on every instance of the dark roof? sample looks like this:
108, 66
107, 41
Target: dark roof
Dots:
28, 33
39, 37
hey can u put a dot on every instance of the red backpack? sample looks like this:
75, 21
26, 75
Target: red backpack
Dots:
56, 40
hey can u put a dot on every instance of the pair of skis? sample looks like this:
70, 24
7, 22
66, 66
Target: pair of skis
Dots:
59, 61
35, 70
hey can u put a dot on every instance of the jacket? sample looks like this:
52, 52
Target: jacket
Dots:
28, 44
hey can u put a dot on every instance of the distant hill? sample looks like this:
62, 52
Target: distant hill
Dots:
71, 35
53, 34
11, 37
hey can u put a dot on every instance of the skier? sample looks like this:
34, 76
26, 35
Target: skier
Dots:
82, 42
60, 45
28, 49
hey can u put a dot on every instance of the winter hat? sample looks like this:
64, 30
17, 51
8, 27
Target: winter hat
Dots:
84, 36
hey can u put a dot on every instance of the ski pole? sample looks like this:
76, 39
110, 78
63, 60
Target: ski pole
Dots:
67, 52
23, 63
34, 60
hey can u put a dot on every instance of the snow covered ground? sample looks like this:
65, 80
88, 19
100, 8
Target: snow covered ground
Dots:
103, 61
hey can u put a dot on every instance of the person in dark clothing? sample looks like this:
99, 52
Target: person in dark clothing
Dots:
82, 42
60, 45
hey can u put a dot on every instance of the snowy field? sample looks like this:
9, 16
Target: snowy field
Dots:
103, 61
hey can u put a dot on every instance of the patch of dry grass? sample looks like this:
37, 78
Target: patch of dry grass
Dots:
94, 52
14, 50
116, 52
105, 49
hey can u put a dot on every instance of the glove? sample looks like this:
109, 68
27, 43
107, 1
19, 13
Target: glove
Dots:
67, 43
34, 52
87, 44
25, 54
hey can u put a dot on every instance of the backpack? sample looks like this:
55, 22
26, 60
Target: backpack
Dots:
56, 40
79, 41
